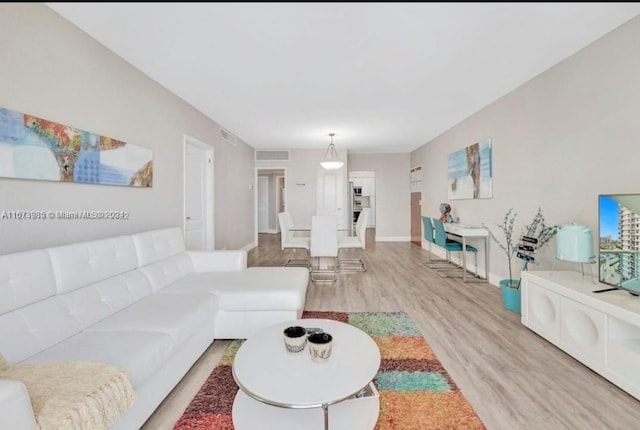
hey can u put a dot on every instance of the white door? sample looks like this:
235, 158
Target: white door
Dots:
263, 204
330, 194
198, 196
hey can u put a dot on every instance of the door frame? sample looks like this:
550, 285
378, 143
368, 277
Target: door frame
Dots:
413, 182
278, 198
209, 189
255, 196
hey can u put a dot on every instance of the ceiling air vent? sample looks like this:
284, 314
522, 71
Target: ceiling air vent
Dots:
272, 155
228, 137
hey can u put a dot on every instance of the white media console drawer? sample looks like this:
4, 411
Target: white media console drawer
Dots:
601, 330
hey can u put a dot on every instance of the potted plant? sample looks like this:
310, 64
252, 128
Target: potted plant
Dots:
538, 230
510, 287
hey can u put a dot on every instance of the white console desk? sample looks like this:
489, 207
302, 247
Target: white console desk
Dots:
601, 330
465, 232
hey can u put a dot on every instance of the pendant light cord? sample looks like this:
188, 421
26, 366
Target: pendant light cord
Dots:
331, 153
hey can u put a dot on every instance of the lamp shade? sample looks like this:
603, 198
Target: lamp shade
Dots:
332, 165
574, 243
331, 161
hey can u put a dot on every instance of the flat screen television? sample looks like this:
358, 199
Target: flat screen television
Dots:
619, 241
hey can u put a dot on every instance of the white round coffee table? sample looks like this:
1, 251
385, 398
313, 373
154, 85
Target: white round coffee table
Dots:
268, 376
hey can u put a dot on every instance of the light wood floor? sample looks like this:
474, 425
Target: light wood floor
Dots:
513, 378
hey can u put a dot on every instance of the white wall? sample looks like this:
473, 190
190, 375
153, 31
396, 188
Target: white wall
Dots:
301, 186
393, 199
558, 141
52, 70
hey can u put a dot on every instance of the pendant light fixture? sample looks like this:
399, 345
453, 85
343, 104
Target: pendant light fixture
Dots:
331, 161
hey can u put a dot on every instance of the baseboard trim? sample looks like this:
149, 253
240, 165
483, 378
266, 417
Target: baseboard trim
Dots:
270, 231
248, 247
393, 238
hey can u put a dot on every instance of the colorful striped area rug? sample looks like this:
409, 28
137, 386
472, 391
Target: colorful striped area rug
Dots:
416, 392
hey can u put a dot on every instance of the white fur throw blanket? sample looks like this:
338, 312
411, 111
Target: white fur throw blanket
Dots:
73, 395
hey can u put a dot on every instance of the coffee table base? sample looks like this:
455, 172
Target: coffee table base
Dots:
351, 414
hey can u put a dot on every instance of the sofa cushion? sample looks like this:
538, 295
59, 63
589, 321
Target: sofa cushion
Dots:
84, 263
140, 354
31, 329
255, 288
177, 316
100, 300
218, 261
156, 245
25, 278
167, 271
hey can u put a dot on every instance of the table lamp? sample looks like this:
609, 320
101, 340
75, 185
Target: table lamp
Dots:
574, 243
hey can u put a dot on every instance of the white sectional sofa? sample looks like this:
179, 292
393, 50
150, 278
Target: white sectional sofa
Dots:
139, 302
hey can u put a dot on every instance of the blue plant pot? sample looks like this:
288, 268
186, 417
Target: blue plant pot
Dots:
510, 296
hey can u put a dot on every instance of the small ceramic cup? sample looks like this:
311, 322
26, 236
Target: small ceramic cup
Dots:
295, 339
320, 347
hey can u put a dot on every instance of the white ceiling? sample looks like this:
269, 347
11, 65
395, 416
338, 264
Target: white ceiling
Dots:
384, 77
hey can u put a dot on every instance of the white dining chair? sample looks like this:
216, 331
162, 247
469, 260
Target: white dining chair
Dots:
324, 248
358, 241
289, 241
289, 219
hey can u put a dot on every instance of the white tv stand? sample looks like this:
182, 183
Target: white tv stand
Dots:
601, 330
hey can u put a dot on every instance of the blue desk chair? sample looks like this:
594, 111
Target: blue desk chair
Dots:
428, 234
440, 239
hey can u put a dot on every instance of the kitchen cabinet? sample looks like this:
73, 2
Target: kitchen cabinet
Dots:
366, 196
365, 185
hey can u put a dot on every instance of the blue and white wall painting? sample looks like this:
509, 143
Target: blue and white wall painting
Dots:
35, 148
470, 172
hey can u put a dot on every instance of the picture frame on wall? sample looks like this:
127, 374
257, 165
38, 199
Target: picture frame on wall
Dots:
40, 149
470, 172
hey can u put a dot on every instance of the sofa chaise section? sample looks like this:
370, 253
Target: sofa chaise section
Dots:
249, 299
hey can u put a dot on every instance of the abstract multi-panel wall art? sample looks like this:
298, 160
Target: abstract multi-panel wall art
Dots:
470, 172
35, 148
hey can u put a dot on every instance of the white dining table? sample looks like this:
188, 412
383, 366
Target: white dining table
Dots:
464, 232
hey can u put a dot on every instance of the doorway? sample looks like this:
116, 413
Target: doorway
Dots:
270, 199
363, 195
198, 195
